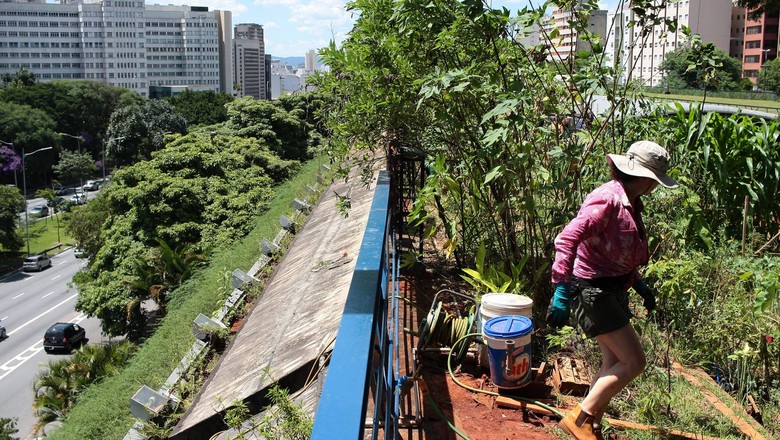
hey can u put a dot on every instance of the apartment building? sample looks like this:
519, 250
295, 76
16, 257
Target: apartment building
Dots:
760, 44
568, 42
249, 61
123, 43
637, 52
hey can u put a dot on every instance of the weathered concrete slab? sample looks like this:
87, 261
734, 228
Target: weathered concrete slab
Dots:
298, 314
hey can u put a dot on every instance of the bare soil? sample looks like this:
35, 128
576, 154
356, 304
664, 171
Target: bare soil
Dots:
473, 414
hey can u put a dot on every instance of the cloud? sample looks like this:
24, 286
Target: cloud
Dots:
270, 25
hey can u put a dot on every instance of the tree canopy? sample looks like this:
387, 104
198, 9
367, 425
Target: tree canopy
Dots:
142, 129
769, 77
11, 204
683, 70
199, 192
201, 108
758, 7
284, 133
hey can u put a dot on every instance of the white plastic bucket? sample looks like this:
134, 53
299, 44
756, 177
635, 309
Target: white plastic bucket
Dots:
493, 305
509, 346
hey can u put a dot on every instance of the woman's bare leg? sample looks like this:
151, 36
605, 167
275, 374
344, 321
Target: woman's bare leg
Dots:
608, 360
621, 348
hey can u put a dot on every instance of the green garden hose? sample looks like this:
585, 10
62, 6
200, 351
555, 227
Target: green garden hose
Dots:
490, 393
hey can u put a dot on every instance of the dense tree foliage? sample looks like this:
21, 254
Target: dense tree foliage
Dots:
201, 108
681, 70
199, 192
769, 78
758, 7
78, 108
21, 78
286, 134
11, 204
142, 129
74, 166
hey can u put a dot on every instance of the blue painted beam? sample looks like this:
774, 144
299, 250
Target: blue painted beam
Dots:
341, 411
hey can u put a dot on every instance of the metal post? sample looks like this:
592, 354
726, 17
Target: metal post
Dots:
24, 193
24, 196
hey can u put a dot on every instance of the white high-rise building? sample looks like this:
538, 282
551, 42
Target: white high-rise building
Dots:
310, 63
638, 52
249, 59
118, 42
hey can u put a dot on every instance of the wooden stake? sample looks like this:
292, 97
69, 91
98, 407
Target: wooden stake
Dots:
742, 422
620, 424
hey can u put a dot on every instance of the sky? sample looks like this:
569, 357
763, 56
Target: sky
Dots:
293, 27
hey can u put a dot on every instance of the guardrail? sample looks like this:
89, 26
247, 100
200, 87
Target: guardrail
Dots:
361, 363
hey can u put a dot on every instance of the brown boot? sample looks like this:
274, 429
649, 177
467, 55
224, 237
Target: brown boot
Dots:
579, 424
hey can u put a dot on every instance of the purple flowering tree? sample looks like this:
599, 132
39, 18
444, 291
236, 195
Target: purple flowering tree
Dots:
9, 160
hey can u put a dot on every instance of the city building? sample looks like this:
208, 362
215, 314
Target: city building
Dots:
761, 37
637, 52
568, 42
267, 60
310, 63
249, 61
123, 43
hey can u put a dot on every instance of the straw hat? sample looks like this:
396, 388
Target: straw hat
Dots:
645, 159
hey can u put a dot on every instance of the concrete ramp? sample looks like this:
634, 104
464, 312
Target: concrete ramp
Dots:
297, 316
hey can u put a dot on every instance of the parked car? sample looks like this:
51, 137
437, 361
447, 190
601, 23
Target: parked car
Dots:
61, 191
92, 185
36, 262
78, 198
63, 336
79, 252
40, 211
3, 333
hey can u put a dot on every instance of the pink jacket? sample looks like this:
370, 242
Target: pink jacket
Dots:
606, 239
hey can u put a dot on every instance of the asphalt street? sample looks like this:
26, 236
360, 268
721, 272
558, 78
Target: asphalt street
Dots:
29, 303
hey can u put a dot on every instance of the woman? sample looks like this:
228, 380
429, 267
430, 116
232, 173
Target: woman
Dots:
596, 259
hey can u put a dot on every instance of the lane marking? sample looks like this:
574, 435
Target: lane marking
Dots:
3, 319
42, 314
9, 367
19, 295
56, 277
50, 293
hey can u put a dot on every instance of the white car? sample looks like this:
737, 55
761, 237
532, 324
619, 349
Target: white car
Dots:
92, 185
78, 198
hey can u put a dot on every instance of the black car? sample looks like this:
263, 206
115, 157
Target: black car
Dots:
63, 336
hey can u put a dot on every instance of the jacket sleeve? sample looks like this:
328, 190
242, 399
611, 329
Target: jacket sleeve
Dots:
591, 220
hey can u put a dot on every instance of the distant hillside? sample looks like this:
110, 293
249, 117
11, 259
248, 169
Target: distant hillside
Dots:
293, 61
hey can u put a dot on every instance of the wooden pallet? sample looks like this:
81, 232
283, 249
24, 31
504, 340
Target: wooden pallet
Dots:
571, 376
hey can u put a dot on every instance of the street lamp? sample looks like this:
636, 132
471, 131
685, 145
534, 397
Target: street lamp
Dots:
24, 193
103, 153
78, 139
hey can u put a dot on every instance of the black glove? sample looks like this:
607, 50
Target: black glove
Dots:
647, 294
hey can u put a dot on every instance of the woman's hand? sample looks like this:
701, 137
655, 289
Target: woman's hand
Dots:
647, 294
560, 304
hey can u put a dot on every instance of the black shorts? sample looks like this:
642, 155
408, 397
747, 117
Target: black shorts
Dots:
600, 306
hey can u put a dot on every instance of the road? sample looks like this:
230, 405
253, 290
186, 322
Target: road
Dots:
29, 304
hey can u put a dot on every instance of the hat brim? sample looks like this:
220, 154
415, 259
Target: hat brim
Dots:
633, 168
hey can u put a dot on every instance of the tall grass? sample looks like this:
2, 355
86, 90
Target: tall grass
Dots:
103, 411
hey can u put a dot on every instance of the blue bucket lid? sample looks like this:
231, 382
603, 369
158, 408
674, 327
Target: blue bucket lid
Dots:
508, 326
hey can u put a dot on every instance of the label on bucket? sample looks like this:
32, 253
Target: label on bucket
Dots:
509, 350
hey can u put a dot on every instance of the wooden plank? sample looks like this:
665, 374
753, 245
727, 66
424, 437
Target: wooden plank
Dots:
508, 402
621, 424
740, 421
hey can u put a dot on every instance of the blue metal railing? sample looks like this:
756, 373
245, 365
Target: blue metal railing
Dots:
362, 363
